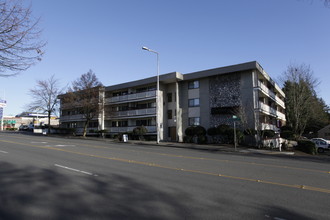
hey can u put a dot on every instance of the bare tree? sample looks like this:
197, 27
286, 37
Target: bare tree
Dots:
299, 87
20, 44
85, 97
326, 2
44, 96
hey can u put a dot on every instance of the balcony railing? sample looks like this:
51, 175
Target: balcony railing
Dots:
265, 126
280, 115
71, 117
137, 112
267, 109
129, 97
271, 94
151, 129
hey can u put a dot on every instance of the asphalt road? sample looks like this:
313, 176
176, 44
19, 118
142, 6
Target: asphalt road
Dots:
60, 178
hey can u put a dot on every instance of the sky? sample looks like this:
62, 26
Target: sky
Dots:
106, 36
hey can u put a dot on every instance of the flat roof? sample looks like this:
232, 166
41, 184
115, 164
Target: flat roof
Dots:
165, 78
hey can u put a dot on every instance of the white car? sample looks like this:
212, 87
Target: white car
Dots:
321, 144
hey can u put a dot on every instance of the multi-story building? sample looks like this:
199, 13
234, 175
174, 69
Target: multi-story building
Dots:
207, 98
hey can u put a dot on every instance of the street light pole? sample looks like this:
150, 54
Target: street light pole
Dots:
157, 92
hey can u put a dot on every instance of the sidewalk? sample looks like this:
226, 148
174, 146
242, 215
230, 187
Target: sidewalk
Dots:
206, 147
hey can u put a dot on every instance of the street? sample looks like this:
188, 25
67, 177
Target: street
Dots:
61, 178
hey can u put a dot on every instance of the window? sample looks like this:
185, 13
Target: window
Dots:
72, 125
169, 97
141, 122
122, 123
152, 105
193, 84
93, 124
194, 121
193, 102
169, 114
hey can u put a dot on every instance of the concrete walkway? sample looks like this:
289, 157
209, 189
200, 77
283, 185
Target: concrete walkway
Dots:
206, 147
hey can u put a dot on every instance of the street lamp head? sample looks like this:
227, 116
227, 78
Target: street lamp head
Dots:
145, 48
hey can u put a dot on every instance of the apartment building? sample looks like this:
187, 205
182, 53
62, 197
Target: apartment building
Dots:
207, 98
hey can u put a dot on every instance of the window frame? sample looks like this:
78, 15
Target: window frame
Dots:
194, 102
194, 84
194, 122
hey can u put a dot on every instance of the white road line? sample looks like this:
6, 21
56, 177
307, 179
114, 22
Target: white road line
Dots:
76, 170
5, 152
60, 145
33, 142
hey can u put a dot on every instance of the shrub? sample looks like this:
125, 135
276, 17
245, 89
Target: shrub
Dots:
286, 134
195, 130
11, 129
189, 131
199, 131
60, 130
267, 133
201, 139
212, 131
230, 135
286, 128
140, 131
222, 129
187, 139
250, 131
306, 146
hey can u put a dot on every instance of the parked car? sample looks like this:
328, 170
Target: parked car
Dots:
321, 144
23, 128
30, 127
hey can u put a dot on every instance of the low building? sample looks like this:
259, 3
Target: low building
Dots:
207, 98
14, 122
324, 132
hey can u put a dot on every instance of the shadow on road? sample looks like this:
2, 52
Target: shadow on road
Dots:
33, 193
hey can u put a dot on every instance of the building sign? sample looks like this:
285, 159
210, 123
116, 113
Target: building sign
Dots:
8, 122
3, 103
1, 112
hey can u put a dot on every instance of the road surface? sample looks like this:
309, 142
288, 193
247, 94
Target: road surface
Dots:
60, 178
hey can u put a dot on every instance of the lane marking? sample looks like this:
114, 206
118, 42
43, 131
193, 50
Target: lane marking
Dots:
5, 152
38, 142
210, 159
301, 187
75, 170
62, 145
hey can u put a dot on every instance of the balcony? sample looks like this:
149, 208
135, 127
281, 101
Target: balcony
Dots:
271, 111
265, 126
151, 129
271, 94
131, 97
78, 117
132, 113
267, 109
280, 115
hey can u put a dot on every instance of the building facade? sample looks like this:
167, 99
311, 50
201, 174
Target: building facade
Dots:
324, 132
207, 98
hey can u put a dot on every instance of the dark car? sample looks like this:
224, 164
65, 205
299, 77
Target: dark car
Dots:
23, 128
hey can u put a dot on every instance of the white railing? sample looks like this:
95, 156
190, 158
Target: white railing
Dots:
280, 115
267, 108
265, 126
271, 94
71, 117
146, 111
151, 129
129, 97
